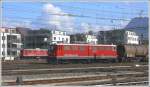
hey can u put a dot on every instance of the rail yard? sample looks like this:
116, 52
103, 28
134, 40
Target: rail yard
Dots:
75, 44
125, 73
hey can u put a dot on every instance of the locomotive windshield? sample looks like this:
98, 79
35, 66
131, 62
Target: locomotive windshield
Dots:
51, 48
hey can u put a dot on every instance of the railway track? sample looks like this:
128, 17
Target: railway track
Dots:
25, 65
112, 78
110, 82
74, 70
76, 74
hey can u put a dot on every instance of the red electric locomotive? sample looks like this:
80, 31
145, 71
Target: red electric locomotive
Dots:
81, 52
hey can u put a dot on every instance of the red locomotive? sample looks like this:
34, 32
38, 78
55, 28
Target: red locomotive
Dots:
34, 54
81, 52
86, 52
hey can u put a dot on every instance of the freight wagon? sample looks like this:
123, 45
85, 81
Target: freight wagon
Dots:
79, 52
132, 52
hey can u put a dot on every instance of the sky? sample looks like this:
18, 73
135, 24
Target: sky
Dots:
72, 16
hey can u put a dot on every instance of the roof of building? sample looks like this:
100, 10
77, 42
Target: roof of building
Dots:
87, 44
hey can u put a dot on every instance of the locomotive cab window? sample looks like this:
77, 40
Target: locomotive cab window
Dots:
51, 48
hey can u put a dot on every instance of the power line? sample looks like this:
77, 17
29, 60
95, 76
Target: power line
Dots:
98, 11
84, 16
45, 24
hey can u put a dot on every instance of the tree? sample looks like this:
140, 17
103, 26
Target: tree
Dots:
90, 32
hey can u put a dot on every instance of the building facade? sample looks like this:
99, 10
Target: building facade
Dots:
120, 36
131, 37
59, 37
91, 39
10, 43
140, 25
36, 39
42, 38
81, 38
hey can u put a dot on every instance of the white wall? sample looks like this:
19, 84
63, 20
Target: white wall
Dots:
131, 38
7, 57
3, 42
60, 37
0, 45
91, 39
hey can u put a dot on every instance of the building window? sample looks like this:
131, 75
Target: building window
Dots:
8, 52
3, 37
66, 39
3, 45
3, 53
64, 33
14, 53
54, 38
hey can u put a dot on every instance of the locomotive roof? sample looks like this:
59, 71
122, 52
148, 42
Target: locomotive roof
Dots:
34, 49
88, 44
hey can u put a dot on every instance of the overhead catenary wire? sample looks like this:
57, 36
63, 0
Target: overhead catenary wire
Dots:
77, 15
135, 27
74, 15
98, 10
82, 16
87, 10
